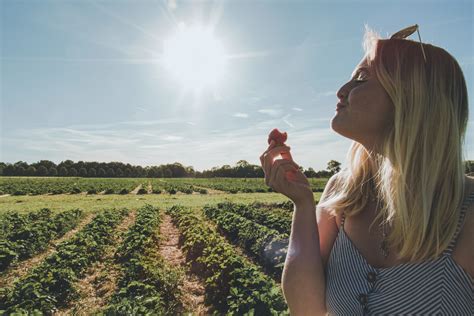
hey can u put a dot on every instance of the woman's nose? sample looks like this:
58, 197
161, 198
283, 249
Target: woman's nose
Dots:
342, 92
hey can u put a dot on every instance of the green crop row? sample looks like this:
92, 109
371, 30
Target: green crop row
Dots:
233, 284
172, 186
24, 235
148, 284
279, 220
266, 245
50, 285
35, 186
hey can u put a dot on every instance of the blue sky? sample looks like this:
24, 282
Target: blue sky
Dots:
82, 80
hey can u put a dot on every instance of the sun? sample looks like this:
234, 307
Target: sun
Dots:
194, 57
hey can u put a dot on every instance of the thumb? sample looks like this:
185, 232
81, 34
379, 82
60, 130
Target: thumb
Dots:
286, 155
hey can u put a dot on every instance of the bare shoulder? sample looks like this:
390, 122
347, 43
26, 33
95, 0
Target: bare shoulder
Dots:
463, 253
327, 223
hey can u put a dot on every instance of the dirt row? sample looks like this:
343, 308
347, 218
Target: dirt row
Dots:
22, 268
99, 283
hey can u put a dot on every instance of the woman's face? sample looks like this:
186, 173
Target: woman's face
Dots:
368, 109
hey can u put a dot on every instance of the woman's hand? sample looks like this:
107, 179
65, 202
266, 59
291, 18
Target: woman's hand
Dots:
283, 175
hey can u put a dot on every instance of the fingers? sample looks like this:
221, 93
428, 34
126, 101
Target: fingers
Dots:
270, 156
280, 180
271, 146
278, 166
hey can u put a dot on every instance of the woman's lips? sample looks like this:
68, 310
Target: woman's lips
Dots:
340, 106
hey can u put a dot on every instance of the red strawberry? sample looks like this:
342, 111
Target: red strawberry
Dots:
278, 137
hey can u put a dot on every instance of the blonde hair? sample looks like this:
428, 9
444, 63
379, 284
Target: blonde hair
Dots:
419, 173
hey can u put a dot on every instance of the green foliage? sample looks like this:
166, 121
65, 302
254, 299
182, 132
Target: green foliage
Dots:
148, 284
233, 284
50, 285
142, 191
24, 235
266, 245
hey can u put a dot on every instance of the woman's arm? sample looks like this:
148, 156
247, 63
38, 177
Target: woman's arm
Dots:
303, 280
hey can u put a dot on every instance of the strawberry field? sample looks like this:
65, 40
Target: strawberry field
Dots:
71, 185
163, 253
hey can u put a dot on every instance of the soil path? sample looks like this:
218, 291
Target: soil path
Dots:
193, 289
100, 282
22, 268
136, 189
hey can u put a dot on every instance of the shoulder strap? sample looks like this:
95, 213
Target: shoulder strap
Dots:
464, 207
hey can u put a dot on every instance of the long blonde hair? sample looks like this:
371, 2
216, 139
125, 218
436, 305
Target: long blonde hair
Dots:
419, 175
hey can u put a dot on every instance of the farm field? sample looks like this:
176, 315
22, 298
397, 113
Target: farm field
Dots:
143, 252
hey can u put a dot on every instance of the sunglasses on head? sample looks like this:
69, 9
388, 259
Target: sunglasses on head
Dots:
404, 33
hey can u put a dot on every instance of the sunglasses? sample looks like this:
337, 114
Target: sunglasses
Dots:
407, 32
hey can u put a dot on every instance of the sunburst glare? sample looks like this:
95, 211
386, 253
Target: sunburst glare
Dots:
194, 57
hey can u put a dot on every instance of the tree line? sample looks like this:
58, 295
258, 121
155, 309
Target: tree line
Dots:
93, 169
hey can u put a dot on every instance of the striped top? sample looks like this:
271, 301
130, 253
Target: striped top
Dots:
432, 287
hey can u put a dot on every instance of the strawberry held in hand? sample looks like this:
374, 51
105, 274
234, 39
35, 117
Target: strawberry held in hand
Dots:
277, 136
280, 139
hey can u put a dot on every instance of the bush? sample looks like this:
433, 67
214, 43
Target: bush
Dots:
156, 191
203, 191
75, 190
109, 191
92, 191
172, 191
142, 191
123, 191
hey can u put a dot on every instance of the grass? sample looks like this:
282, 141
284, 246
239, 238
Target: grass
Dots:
94, 203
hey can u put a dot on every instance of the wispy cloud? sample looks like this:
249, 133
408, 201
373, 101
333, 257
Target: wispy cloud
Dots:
271, 112
312, 144
238, 114
297, 109
171, 138
285, 119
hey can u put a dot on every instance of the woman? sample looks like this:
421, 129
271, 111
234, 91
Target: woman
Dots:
395, 229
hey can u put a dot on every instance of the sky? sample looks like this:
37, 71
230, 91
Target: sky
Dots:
87, 80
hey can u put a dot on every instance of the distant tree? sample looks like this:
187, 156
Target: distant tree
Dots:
72, 172
62, 172
101, 173
45, 163
110, 173
42, 171
53, 172
31, 171
159, 173
118, 172
20, 171
167, 173
334, 166
9, 170
82, 172
2, 166
310, 173
91, 173
469, 166
20, 167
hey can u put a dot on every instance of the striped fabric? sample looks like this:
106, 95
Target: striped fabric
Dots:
432, 287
